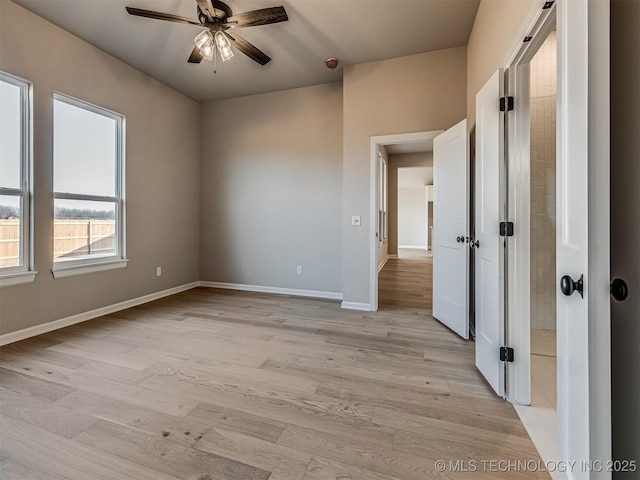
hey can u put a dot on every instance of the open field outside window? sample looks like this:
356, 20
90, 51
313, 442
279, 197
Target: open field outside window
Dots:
88, 184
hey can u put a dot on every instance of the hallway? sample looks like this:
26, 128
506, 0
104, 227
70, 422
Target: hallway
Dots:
405, 282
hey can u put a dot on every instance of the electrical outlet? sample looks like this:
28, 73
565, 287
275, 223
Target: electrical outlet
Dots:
355, 220
299, 270
158, 271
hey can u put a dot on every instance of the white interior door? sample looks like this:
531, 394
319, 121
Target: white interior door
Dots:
582, 241
450, 229
489, 313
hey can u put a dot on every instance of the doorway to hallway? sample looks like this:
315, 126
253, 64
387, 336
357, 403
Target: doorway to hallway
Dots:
389, 153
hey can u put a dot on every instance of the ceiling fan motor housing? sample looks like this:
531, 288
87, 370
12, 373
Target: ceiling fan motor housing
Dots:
221, 11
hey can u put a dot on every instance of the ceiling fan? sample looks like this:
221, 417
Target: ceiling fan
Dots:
218, 18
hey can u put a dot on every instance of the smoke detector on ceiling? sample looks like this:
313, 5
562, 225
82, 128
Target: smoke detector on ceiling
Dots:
332, 63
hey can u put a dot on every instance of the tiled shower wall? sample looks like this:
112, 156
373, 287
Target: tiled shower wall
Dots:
543, 186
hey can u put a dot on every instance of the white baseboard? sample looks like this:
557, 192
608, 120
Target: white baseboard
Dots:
276, 290
384, 262
99, 312
365, 307
416, 247
393, 255
83, 317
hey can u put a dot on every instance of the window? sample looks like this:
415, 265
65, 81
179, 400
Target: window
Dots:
16, 257
88, 184
382, 199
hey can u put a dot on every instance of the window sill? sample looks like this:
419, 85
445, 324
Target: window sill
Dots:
20, 278
62, 271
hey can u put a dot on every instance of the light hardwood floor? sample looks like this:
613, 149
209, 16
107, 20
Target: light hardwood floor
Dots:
405, 283
221, 385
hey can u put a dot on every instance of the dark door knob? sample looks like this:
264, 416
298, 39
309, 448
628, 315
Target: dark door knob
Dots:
619, 289
568, 285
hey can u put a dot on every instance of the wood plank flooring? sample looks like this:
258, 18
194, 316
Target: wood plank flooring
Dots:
220, 385
405, 283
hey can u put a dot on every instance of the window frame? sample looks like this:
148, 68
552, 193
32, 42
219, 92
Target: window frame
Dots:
383, 170
24, 272
80, 266
385, 202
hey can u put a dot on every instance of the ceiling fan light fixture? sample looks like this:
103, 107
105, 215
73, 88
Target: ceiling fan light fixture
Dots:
203, 39
208, 51
224, 46
216, 17
204, 42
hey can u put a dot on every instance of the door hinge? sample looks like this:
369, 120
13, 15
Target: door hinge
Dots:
506, 229
506, 104
506, 354
547, 5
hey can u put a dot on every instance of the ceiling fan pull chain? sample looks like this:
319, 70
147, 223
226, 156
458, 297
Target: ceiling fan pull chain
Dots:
215, 59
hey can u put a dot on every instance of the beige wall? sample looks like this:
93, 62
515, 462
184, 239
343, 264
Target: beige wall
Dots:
543, 185
625, 228
496, 25
401, 161
162, 171
410, 94
272, 189
412, 217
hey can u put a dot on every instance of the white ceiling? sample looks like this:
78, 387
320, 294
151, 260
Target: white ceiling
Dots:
411, 147
354, 31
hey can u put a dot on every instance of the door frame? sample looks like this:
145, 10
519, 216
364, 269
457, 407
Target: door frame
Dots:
588, 22
377, 142
518, 208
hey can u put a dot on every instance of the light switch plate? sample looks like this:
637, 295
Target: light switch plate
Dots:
355, 220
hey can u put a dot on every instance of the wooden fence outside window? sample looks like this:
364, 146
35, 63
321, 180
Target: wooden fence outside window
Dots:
71, 238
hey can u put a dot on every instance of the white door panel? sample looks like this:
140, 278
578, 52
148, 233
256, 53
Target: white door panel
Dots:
450, 223
488, 252
572, 257
582, 242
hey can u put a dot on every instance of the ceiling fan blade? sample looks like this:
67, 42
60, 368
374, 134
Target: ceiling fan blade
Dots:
161, 16
250, 50
196, 55
206, 7
254, 18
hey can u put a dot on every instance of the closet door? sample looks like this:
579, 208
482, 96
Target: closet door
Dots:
489, 272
